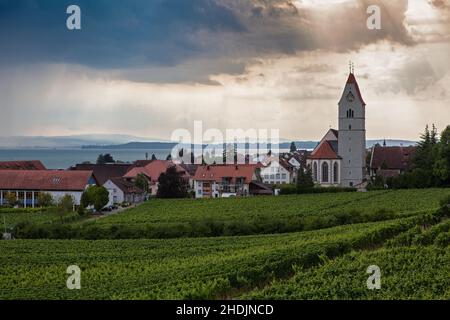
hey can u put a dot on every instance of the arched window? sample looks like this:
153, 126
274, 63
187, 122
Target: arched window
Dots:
335, 172
315, 171
325, 172
350, 113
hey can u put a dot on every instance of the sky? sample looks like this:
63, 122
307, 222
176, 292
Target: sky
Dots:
147, 68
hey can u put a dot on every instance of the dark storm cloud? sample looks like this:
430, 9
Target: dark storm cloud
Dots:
114, 33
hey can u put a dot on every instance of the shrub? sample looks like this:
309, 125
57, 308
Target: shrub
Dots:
45, 199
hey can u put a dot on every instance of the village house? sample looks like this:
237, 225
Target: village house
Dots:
27, 185
104, 172
120, 190
222, 181
153, 170
390, 161
278, 171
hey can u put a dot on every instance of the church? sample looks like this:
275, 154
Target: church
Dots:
340, 157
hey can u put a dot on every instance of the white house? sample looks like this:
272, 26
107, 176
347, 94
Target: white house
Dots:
340, 157
278, 172
121, 190
27, 185
221, 181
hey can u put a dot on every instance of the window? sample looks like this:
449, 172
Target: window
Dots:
283, 176
278, 176
325, 172
350, 113
315, 171
349, 127
335, 172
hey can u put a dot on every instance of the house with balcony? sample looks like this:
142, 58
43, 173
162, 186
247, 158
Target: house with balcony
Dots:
222, 181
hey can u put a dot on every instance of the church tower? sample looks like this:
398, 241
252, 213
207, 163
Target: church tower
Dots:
352, 134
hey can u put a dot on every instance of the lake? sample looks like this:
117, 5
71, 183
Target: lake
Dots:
64, 158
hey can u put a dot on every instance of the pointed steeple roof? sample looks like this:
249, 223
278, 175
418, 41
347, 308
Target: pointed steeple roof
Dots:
352, 80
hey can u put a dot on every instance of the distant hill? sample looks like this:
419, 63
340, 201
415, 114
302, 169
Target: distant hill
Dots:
285, 145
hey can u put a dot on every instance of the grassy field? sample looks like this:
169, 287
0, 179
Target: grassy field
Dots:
408, 240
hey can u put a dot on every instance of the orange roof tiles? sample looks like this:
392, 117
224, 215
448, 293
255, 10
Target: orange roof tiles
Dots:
324, 151
48, 180
22, 165
154, 169
217, 172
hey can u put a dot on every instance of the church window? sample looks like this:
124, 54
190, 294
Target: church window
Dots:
350, 113
335, 172
349, 127
315, 171
325, 172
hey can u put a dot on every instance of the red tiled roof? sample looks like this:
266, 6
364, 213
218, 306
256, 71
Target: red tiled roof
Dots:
392, 157
48, 180
352, 79
154, 170
104, 172
217, 172
22, 165
324, 151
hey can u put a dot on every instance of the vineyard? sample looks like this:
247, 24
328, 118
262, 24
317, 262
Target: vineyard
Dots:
408, 238
175, 268
158, 219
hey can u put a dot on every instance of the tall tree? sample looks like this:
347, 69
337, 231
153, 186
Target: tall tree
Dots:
171, 184
442, 165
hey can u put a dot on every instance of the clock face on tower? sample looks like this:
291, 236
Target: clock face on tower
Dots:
350, 97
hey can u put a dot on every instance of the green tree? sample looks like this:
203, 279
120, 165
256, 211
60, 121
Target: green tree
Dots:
442, 166
171, 184
65, 205
141, 182
105, 158
304, 179
101, 198
11, 197
293, 147
95, 196
45, 199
